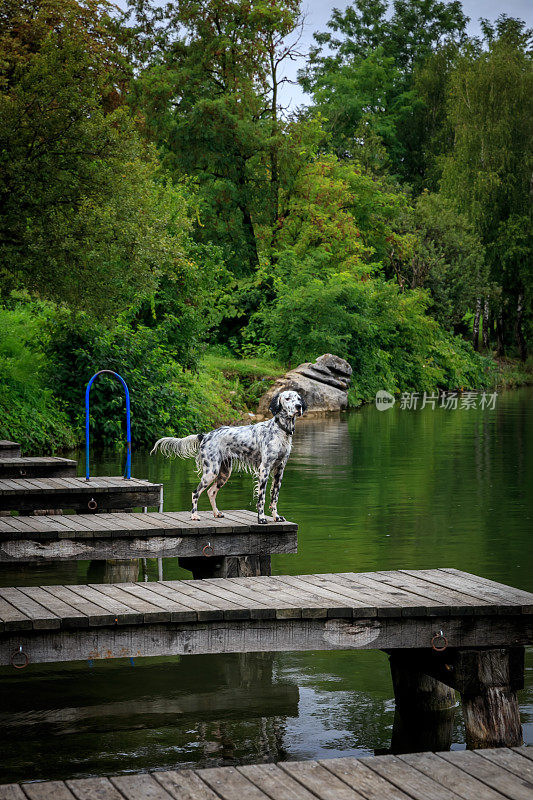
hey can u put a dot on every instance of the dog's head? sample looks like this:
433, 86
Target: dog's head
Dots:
289, 403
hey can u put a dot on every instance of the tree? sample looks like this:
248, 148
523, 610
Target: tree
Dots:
86, 218
488, 173
369, 63
208, 91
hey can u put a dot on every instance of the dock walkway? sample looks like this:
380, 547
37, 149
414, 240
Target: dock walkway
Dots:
96, 494
380, 610
492, 774
137, 535
37, 467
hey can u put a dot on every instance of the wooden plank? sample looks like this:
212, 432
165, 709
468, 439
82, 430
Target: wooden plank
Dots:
205, 611
275, 783
284, 599
149, 611
504, 597
51, 790
139, 787
409, 779
527, 752
357, 775
93, 789
362, 604
457, 601
184, 784
229, 784
41, 617
231, 609
70, 617
319, 781
12, 618
450, 776
411, 604
123, 614
508, 759
96, 614
178, 612
258, 606
11, 791
328, 603
492, 775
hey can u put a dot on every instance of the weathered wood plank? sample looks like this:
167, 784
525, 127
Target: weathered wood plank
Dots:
357, 775
229, 784
409, 779
241, 636
24, 494
319, 781
480, 588
93, 789
11, 791
509, 759
276, 783
491, 774
184, 784
134, 787
456, 775
36, 467
41, 617
9, 449
450, 776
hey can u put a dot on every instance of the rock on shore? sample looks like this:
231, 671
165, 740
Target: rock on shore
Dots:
322, 384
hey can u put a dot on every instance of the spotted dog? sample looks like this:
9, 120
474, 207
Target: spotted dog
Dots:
260, 449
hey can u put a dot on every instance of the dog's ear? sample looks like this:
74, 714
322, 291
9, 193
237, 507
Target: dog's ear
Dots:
304, 404
275, 405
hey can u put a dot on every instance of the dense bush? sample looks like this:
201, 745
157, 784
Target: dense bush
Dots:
29, 412
385, 334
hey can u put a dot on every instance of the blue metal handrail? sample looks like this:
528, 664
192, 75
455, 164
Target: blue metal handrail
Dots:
128, 422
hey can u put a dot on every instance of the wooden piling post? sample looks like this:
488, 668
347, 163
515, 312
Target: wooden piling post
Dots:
227, 566
425, 706
488, 681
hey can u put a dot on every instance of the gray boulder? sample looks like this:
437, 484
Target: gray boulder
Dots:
322, 384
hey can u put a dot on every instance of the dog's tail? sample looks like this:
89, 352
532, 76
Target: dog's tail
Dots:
184, 448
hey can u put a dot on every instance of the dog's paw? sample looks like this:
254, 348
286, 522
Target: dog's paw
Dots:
218, 515
279, 519
195, 517
262, 520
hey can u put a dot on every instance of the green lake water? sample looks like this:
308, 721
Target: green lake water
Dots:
370, 490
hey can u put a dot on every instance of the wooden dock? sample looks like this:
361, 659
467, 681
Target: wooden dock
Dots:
137, 535
491, 774
37, 467
78, 494
9, 449
459, 631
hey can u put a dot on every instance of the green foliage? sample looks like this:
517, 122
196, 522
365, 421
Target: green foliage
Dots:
29, 412
488, 172
85, 219
386, 336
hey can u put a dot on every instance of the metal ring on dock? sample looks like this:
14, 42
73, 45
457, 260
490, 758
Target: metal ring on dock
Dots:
208, 550
442, 638
92, 504
22, 472
25, 656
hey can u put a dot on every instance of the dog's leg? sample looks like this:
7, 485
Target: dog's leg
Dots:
274, 493
261, 493
223, 476
207, 480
